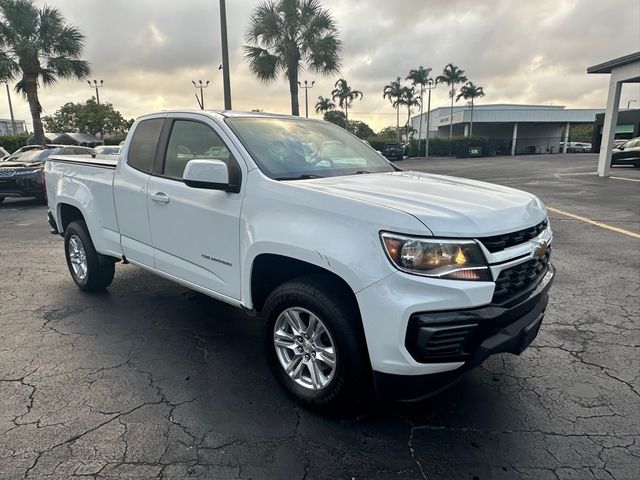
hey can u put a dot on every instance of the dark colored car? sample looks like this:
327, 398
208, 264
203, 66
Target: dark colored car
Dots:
22, 173
627, 154
393, 151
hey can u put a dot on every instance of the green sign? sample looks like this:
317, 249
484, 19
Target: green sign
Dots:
622, 128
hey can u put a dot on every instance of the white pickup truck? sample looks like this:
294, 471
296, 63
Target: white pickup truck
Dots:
367, 278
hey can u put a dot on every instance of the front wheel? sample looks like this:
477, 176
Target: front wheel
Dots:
315, 344
90, 271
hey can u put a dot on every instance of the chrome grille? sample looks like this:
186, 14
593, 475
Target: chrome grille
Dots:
7, 173
498, 243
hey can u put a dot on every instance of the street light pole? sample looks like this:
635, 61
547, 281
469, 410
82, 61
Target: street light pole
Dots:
430, 86
201, 86
225, 56
96, 85
306, 96
13, 120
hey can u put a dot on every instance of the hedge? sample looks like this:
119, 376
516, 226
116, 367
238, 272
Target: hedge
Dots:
11, 143
442, 146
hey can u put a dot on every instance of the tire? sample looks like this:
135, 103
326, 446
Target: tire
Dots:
349, 384
98, 270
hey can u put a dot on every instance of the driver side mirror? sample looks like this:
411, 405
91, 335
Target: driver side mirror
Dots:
209, 174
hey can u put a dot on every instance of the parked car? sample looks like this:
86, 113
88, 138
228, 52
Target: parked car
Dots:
577, 147
366, 277
393, 151
107, 149
21, 175
627, 154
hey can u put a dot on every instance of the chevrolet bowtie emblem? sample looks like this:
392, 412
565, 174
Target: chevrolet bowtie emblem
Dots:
541, 248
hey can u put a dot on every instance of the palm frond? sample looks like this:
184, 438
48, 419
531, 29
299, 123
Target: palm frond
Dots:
262, 63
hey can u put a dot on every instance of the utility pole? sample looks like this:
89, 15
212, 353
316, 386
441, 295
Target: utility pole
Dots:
225, 56
96, 85
201, 86
306, 95
431, 84
13, 120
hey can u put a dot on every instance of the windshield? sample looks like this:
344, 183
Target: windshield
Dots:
288, 149
33, 156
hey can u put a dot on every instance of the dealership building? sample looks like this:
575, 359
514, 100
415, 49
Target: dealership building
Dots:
514, 129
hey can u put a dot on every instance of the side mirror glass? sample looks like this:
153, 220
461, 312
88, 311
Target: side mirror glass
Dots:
211, 174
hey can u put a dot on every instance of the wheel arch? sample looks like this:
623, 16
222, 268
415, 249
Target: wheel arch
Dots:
268, 270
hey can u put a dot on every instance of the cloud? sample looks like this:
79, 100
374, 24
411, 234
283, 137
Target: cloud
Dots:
530, 51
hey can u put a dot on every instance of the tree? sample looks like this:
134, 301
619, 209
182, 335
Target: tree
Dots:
420, 76
345, 95
360, 129
87, 117
409, 99
37, 45
393, 91
387, 132
452, 76
337, 117
470, 92
324, 105
287, 35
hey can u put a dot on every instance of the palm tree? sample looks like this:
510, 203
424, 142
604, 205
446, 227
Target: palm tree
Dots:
345, 96
452, 76
393, 91
37, 45
420, 76
409, 99
324, 105
470, 92
287, 35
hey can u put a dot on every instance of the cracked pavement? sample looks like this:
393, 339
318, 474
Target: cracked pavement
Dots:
151, 380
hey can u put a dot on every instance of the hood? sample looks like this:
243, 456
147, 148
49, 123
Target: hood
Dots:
448, 206
19, 164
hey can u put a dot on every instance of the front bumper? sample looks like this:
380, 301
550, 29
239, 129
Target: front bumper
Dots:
29, 185
489, 330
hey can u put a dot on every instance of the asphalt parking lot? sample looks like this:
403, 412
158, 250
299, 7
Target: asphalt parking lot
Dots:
151, 380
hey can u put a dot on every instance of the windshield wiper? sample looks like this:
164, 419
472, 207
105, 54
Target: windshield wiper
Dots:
360, 172
305, 176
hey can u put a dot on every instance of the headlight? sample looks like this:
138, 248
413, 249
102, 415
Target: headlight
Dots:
433, 257
26, 172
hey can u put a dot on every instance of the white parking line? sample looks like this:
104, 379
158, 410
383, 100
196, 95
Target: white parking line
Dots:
628, 179
593, 222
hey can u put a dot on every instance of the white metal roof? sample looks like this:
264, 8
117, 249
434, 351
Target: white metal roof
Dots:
510, 113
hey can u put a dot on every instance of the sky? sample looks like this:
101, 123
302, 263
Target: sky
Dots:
520, 51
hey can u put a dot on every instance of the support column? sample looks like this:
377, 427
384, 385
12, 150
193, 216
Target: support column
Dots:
466, 129
514, 139
566, 138
609, 127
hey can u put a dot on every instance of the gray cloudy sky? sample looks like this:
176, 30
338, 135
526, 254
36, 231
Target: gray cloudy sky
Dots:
530, 51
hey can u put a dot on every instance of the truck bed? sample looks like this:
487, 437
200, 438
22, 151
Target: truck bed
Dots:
100, 161
86, 183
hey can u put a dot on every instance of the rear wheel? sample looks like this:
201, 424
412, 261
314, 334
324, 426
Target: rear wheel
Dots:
90, 271
315, 344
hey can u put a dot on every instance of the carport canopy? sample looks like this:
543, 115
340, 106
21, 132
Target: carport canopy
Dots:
622, 70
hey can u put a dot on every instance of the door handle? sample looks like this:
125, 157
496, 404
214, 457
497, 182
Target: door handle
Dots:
159, 197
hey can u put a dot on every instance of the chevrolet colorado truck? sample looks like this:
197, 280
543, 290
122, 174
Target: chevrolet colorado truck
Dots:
367, 278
